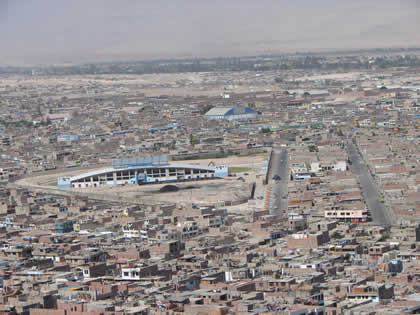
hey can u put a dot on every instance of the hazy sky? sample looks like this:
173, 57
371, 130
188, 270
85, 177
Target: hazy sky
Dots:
59, 31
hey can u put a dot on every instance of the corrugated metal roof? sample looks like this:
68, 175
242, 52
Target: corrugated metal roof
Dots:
218, 111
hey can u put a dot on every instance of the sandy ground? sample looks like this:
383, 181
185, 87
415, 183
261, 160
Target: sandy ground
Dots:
211, 191
176, 84
333, 76
253, 162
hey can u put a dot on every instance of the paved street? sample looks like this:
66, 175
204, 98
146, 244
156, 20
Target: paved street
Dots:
278, 188
379, 213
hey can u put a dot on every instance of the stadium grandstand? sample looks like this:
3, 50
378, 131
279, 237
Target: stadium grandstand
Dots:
145, 170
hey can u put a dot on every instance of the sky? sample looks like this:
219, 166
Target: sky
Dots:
36, 32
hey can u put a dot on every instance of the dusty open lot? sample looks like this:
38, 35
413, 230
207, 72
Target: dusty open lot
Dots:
332, 76
151, 85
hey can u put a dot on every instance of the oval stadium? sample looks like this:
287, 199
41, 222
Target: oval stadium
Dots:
146, 170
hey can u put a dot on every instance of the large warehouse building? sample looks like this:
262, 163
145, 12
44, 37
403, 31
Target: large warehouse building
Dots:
231, 113
156, 169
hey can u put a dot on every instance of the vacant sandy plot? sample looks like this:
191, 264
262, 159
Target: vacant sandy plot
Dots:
203, 191
174, 84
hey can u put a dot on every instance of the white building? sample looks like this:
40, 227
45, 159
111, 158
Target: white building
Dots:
328, 165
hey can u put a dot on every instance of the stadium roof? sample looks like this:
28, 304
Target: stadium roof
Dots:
142, 161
